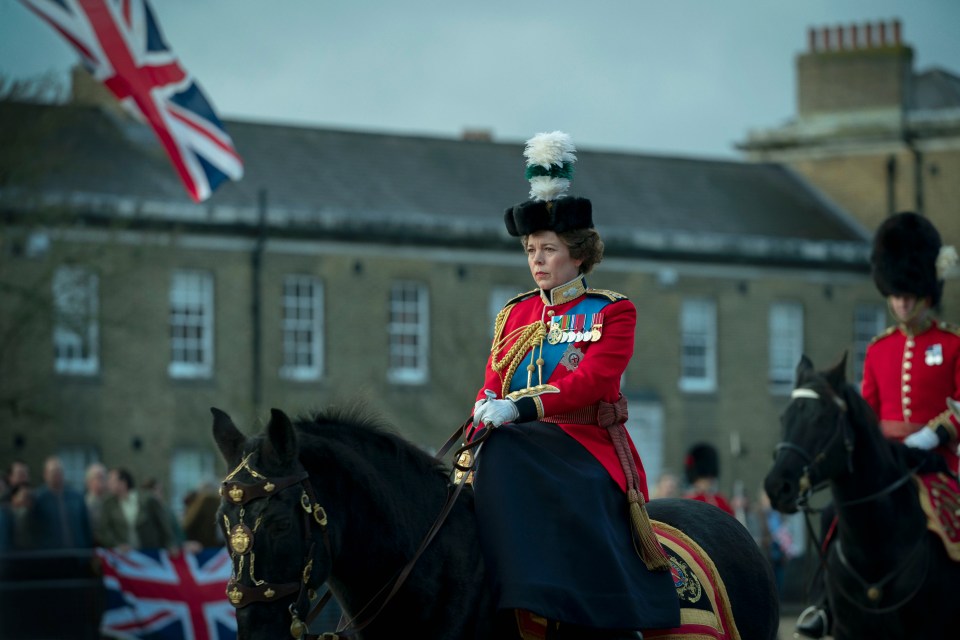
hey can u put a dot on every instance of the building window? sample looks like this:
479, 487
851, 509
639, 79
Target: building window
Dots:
869, 320
786, 345
76, 324
698, 345
190, 469
408, 333
302, 328
191, 325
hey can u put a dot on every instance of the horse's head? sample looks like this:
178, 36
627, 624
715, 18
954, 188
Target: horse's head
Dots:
816, 439
272, 524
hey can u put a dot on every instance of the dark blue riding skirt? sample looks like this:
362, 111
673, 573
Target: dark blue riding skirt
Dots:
555, 534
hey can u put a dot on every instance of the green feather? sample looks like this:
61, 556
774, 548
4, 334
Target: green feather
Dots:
555, 171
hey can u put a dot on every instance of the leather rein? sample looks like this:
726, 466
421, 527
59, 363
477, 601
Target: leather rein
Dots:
873, 591
240, 541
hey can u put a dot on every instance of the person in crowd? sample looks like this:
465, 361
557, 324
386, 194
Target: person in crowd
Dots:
16, 503
58, 516
911, 372
155, 486
772, 532
200, 516
132, 519
668, 486
560, 489
702, 468
95, 491
18, 474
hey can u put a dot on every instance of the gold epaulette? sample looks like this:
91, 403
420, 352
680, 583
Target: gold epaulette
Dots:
612, 296
517, 298
949, 327
884, 334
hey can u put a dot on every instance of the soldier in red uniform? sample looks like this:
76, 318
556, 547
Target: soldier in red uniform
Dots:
911, 373
559, 485
913, 368
702, 467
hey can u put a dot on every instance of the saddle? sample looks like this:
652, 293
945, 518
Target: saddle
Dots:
940, 499
705, 612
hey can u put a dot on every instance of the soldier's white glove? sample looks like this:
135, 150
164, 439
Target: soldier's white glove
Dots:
494, 413
923, 439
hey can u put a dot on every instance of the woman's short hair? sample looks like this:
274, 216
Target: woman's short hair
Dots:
584, 244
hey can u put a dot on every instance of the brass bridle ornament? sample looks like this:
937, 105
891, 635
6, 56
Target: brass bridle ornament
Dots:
240, 542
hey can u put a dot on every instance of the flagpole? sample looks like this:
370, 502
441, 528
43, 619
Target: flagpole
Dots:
256, 263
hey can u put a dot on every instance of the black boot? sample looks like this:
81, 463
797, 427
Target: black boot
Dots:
814, 622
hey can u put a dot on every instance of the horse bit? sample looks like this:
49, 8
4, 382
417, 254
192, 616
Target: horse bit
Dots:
240, 538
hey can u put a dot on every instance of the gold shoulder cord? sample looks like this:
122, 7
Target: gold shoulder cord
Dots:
524, 338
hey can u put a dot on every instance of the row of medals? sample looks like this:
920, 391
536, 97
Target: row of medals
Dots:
557, 335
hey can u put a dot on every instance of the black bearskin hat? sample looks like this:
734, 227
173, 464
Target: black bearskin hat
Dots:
702, 461
904, 257
550, 158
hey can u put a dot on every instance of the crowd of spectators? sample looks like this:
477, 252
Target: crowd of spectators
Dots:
110, 511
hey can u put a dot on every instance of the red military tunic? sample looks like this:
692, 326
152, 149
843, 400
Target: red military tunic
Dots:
716, 499
588, 372
907, 379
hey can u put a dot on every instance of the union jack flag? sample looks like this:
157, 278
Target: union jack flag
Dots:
120, 43
152, 594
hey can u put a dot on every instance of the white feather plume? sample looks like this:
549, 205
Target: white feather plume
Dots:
947, 260
547, 188
547, 149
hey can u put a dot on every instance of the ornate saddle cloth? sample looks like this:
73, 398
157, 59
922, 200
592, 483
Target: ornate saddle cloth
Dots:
705, 612
940, 498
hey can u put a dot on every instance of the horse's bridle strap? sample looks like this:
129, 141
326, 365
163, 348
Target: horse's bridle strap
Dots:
244, 492
240, 595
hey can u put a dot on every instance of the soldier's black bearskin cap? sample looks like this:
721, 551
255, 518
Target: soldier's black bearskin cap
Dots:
702, 461
904, 257
563, 214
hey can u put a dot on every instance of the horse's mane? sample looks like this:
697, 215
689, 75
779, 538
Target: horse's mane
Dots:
360, 429
902, 456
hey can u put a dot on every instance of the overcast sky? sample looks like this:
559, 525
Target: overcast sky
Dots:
669, 77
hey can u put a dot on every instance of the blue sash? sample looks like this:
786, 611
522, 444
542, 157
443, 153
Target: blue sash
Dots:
552, 353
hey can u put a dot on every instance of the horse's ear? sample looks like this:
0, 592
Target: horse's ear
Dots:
281, 441
837, 374
804, 369
229, 439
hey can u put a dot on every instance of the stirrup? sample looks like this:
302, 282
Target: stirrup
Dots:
811, 623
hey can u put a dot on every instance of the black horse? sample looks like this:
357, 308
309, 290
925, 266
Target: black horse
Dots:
886, 575
342, 500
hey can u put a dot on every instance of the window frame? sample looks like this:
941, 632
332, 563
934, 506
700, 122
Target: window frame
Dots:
196, 287
781, 369
702, 311
76, 321
291, 328
418, 331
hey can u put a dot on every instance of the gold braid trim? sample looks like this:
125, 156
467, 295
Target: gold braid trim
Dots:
524, 339
943, 420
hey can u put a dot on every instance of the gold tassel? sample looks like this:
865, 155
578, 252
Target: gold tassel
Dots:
650, 550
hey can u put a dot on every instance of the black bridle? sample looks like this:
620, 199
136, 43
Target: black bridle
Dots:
873, 591
240, 540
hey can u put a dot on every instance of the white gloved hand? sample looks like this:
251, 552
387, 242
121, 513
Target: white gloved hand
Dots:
923, 439
494, 413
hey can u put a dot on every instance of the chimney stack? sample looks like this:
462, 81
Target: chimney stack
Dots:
842, 72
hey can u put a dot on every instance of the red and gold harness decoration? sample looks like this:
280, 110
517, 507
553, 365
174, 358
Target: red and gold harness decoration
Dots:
940, 498
705, 612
